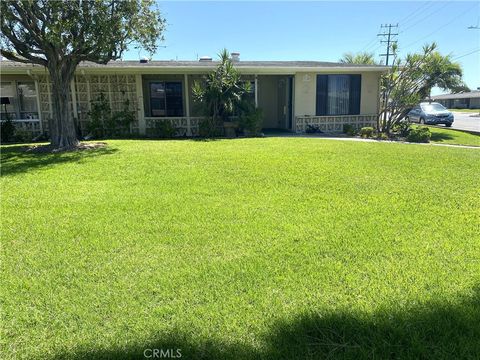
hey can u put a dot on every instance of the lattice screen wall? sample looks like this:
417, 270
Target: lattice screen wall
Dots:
44, 89
116, 88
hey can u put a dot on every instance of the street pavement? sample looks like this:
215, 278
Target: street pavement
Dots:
464, 121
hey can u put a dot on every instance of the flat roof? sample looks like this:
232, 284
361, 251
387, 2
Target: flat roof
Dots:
7, 65
465, 95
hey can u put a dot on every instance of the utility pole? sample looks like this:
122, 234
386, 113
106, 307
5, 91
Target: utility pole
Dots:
390, 39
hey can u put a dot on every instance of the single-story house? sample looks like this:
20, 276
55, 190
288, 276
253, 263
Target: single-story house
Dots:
292, 94
465, 100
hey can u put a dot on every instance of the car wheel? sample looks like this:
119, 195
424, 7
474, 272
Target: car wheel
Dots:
422, 121
448, 125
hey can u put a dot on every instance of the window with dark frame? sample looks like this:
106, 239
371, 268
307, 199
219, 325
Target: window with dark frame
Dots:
338, 94
166, 99
22, 97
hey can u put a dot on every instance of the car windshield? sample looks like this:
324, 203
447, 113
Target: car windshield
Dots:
432, 107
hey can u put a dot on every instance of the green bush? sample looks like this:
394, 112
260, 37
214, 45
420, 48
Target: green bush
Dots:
420, 134
165, 129
102, 122
250, 121
367, 132
402, 128
22, 136
7, 130
382, 136
208, 127
349, 129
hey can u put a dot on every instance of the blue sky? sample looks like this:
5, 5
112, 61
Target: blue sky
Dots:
318, 30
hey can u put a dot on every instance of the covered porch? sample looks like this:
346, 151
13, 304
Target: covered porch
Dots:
169, 98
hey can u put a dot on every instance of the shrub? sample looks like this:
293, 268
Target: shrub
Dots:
250, 120
165, 129
367, 132
420, 134
21, 135
103, 122
349, 129
209, 127
382, 136
7, 130
402, 128
313, 129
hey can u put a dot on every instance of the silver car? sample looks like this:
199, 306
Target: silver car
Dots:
430, 113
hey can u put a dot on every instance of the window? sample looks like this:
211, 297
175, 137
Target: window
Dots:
27, 100
433, 107
166, 99
7, 90
23, 100
338, 94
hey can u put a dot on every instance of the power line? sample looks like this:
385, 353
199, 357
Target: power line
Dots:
424, 17
370, 47
390, 39
470, 53
441, 27
373, 47
416, 13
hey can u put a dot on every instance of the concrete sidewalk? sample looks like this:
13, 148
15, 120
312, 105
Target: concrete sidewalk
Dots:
337, 138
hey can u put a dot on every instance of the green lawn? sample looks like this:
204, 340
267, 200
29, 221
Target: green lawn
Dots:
473, 111
456, 137
273, 248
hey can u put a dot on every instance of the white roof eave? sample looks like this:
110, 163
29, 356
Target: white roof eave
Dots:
7, 70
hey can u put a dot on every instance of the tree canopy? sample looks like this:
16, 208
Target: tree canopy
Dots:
410, 81
61, 34
363, 58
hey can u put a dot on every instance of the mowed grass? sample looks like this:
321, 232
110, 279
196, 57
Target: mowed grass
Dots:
275, 248
454, 137
473, 111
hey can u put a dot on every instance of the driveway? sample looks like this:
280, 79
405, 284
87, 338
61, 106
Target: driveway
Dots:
464, 121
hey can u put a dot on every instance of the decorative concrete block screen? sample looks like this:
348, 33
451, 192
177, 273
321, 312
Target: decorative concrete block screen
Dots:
87, 88
118, 89
334, 123
44, 93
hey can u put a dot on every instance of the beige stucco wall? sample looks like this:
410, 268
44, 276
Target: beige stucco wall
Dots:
370, 93
305, 94
306, 86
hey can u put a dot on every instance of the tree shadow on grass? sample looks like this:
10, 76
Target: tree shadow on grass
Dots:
19, 159
440, 136
430, 331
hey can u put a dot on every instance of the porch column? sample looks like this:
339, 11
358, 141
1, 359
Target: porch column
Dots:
74, 98
37, 91
142, 126
187, 104
256, 91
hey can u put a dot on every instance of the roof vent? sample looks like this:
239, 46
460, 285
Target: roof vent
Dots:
205, 59
235, 56
144, 60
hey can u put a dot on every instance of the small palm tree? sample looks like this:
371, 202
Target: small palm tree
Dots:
363, 58
220, 92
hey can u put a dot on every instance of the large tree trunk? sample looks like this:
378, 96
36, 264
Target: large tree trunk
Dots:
62, 126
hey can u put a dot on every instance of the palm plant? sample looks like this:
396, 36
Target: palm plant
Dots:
363, 58
220, 92
410, 81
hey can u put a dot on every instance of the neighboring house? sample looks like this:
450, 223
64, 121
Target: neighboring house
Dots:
466, 100
291, 94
